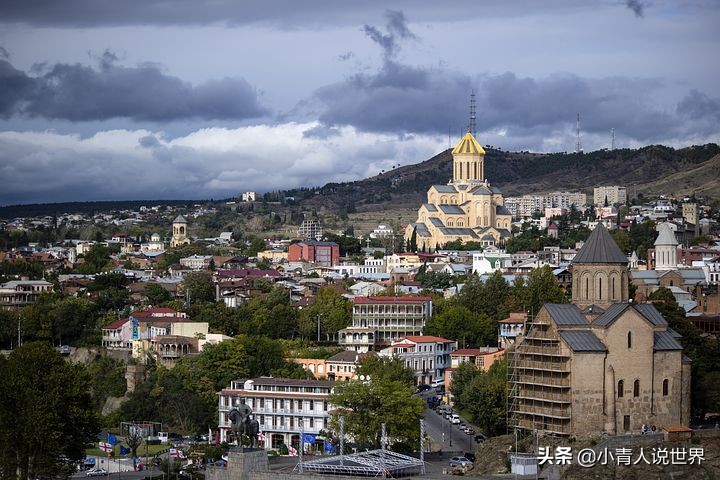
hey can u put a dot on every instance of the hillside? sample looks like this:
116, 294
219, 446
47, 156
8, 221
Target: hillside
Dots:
656, 169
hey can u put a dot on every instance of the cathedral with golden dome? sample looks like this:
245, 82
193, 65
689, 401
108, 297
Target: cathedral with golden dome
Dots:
468, 208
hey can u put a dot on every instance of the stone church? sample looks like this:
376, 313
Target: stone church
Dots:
468, 208
601, 363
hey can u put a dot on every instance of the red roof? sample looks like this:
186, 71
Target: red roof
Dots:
388, 299
426, 339
116, 324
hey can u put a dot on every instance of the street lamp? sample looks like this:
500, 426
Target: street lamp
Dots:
318, 328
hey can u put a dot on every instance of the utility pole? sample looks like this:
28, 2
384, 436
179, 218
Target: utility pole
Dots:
318, 328
422, 446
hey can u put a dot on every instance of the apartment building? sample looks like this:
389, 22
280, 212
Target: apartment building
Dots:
428, 356
614, 194
284, 408
378, 321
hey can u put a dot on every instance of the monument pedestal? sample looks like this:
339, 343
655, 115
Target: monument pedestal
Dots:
240, 465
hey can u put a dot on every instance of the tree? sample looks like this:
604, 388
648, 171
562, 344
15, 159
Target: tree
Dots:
468, 328
96, 260
156, 295
486, 399
46, 413
365, 405
332, 310
542, 287
386, 368
413, 240
198, 287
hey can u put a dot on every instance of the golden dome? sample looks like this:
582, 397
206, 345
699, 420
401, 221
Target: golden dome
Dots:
468, 145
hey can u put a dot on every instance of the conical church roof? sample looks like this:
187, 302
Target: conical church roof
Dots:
600, 248
180, 219
468, 145
666, 236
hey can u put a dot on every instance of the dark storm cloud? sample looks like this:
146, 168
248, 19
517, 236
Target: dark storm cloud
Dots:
697, 105
400, 98
149, 141
143, 93
637, 7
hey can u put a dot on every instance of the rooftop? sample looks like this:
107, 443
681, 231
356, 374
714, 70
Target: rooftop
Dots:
600, 248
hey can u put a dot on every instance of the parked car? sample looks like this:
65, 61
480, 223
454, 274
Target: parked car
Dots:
469, 431
470, 456
455, 420
459, 462
423, 387
96, 472
479, 438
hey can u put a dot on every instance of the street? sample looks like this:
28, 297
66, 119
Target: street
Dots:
443, 434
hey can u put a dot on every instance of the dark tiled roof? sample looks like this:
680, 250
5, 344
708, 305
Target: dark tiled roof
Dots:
565, 314
436, 221
612, 312
665, 341
444, 188
421, 229
593, 309
674, 333
459, 231
430, 207
480, 190
452, 209
600, 248
649, 311
582, 341
502, 210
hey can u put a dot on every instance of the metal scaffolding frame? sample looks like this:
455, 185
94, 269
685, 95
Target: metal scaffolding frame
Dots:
373, 463
538, 382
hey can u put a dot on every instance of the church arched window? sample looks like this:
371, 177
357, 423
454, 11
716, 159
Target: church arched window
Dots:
629, 339
636, 388
621, 388
666, 387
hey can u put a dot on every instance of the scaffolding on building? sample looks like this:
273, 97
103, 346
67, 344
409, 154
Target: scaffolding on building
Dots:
539, 396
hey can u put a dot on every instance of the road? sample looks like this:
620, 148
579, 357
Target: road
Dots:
445, 435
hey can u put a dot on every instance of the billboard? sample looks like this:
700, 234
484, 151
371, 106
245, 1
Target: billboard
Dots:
511, 329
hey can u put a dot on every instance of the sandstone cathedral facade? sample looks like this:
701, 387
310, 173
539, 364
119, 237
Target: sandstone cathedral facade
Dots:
468, 208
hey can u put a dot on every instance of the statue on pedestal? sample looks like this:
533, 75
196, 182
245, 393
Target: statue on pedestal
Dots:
243, 424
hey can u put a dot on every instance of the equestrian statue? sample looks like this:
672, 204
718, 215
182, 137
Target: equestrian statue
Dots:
243, 424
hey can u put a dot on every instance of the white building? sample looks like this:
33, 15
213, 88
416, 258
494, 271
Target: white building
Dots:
426, 355
284, 407
490, 260
196, 262
18, 293
248, 196
382, 231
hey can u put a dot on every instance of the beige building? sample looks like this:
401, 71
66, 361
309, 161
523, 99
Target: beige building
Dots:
180, 232
468, 208
601, 364
614, 194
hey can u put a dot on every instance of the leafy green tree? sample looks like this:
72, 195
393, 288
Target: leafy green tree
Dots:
485, 398
542, 287
198, 287
333, 311
365, 405
622, 239
155, 294
96, 260
46, 412
674, 314
468, 328
386, 368
462, 378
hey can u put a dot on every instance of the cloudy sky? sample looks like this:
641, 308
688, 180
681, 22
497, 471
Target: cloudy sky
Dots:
150, 99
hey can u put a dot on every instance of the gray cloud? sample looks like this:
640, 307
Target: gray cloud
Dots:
142, 93
637, 7
401, 98
149, 141
397, 30
4, 53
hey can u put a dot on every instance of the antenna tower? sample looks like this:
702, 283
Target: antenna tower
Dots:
471, 127
612, 147
578, 145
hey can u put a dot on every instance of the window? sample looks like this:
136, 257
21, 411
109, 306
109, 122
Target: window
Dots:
629, 339
666, 387
636, 388
621, 387
626, 422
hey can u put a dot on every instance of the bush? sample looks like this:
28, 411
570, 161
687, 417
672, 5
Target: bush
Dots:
283, 449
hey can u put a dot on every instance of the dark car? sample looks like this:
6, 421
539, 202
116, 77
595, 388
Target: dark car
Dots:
423, 388
479, 438
469, 456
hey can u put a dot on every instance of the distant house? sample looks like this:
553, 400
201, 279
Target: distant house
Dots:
17, 294
426, 355
325, 254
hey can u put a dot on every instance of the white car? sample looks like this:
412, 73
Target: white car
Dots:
96, 472
460, 462
455, 419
